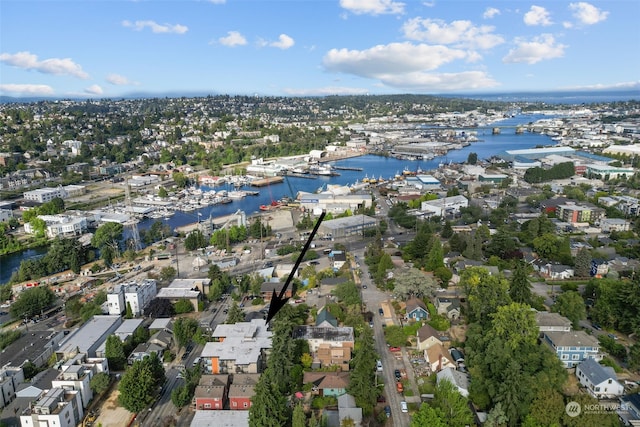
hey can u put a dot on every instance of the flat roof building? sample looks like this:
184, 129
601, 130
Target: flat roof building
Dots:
137, 295
347, 226
88, 337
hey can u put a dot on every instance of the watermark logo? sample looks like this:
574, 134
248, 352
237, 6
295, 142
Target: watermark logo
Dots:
573, 409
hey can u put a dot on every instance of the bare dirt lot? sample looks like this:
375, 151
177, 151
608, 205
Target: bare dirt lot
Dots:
113, 415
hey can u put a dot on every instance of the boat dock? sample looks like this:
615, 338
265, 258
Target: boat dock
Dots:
300, 175
267, 181
348, 168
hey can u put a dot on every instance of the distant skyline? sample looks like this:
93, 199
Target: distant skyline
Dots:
106, 49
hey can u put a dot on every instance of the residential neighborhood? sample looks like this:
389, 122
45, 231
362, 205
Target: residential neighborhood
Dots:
502, 286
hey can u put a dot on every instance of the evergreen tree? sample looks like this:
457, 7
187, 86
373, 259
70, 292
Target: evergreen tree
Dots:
520, 287
235, 314
269, 406
435, 259
129, 313
363, 372
583, 263
571, 305
114, 352
299, 419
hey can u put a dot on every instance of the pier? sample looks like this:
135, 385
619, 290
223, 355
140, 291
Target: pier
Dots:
267, 181
348, 168
300, 175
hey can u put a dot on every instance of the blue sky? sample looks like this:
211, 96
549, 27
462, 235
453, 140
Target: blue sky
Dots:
315, 47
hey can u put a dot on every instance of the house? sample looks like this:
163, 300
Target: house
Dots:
55, 406
449, 307
325, 319
220, 418
573, 347
459, 380
416, 310
599, 268
552, 322
241, 390
145, 349
211, 392
600, 381
339, 259
556, 271
327, 383
438, 358
331, 355
427, 336
347, 409
629, 411
267, 288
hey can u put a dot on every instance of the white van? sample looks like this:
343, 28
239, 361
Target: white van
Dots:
403, 406
379, 367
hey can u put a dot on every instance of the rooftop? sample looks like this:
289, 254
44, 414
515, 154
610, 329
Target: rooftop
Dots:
207, 418
572, 339
596, 372
344, 333
88, 334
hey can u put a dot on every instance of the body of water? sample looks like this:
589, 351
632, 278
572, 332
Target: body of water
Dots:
372, 166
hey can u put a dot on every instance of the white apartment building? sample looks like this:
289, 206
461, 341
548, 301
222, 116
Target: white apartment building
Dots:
55, 407
445, 206
61, 225
138, 295
44, 195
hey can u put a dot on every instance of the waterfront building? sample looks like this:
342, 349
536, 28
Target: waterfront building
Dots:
60, 225
347, 226
44, 195
445, 206
608, 172
536, 153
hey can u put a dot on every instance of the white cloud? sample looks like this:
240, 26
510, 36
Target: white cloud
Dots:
155, 27
58, 66
373, 7
394, 58
441, 82
537, 15
94, 90
284, 42
457, 33
118, 80
600, 86
324, 91
233, 38
587, 14
538, 49
490, 12
567, 24
26, 89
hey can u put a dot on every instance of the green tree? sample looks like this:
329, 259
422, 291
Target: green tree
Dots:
485, 293
129, 313
32, 302
571, 305
347, 293
168, 273
183, 305
427, 415
546, 246
583, 263
162, 193
114, 352
269, 406
452, 405
472, 158
520, 287
235, 314
108, 234
435, 258
100, 383
515, 325
363, 371
137, 387
413, 283
395, 336
547, 408
589, 418
184, 329
634, 356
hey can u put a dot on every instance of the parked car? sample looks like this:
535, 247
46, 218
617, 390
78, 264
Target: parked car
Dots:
381, 311
394, 349
596, 326
387, 411
399, 387
404, 407
381, 399
397, 374
379, 366
613, 337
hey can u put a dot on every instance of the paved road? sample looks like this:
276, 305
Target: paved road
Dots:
373, 298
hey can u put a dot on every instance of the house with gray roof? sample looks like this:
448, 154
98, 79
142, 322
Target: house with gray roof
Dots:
325, 319
552, 322
600, 381
573, 347
459, 380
